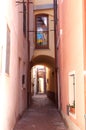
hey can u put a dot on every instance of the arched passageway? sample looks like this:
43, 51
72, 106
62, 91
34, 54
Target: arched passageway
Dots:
43, 77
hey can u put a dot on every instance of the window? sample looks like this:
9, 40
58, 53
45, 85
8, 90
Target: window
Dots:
42, 31
72, 89
7, 51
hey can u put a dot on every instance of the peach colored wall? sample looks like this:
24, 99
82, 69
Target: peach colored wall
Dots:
70, 55
84, 9
11, 90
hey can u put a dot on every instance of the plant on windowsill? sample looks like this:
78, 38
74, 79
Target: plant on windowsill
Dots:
72, 107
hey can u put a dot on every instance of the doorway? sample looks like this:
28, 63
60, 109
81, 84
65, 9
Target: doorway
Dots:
40, 85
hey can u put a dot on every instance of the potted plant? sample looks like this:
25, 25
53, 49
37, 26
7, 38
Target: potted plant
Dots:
72, 107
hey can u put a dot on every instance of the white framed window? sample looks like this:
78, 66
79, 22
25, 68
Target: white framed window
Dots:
72, 88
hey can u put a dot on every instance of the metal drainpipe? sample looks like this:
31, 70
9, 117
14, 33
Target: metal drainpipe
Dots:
55, 40
28, 73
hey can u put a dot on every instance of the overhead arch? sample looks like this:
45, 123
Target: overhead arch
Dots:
49, 65
43, 60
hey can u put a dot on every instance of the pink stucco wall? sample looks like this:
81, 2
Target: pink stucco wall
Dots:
70, 56
13, 97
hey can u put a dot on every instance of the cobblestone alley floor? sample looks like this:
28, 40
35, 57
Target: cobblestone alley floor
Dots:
42, 115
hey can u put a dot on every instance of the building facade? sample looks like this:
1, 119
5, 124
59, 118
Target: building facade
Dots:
13, 62
71, 61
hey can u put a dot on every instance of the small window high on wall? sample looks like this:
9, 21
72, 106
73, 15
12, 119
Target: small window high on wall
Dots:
42, 31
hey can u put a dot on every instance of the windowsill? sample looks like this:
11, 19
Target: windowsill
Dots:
41, 47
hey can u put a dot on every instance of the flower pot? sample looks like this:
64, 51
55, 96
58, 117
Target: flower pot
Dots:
72, 109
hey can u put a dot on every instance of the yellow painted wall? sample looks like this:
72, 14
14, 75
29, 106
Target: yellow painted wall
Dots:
50, 80
38, 2
50, 12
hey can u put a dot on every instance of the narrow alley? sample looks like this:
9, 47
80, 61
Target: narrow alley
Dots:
42, 64
42, 115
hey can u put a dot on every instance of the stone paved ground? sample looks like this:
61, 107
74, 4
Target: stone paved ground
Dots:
42, 115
